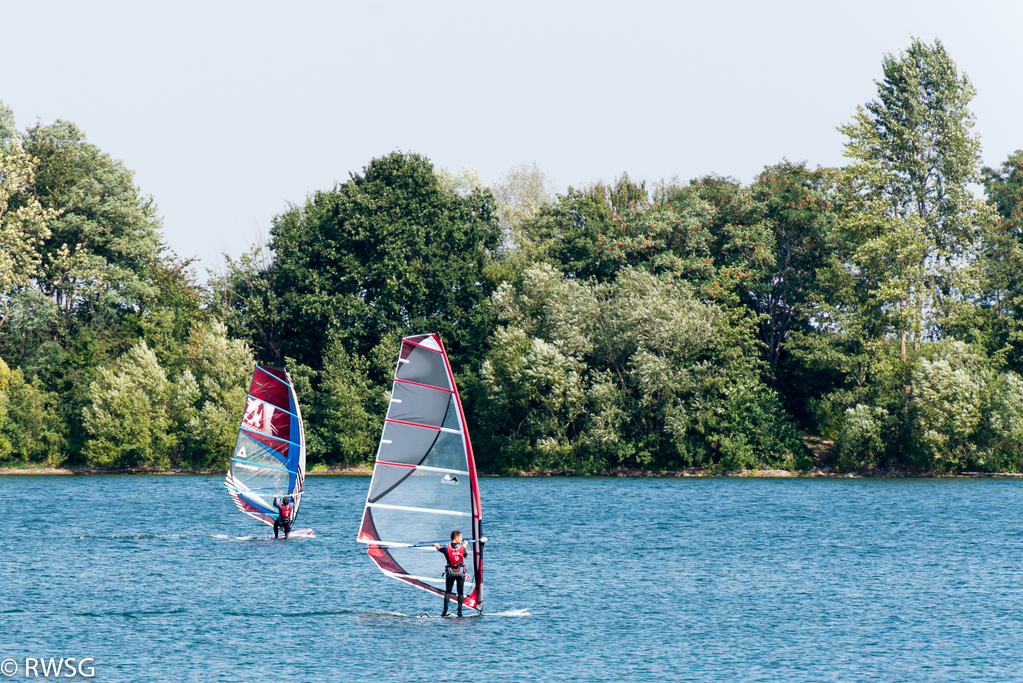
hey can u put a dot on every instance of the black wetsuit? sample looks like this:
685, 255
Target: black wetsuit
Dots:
453, 577
282, 521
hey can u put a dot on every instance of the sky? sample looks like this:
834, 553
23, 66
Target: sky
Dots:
228, 113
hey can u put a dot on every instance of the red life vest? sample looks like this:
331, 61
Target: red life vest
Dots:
456, 556
286, 511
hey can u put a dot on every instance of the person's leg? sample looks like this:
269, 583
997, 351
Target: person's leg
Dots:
461, 585
448, 582
277, 523
287, 528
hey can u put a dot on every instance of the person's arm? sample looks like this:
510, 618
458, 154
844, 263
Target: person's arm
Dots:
437, 546
276, 505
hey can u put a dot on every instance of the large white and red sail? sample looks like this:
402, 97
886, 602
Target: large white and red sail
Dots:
424, 480
269, 454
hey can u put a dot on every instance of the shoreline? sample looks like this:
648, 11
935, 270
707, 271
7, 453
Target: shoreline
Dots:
815, 473
622, 472
168, 471
62, 471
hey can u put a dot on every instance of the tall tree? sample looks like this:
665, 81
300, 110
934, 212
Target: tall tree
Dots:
799, 211
521, 193
99, 250
1001, 307
23, 221
914, 155
389, 249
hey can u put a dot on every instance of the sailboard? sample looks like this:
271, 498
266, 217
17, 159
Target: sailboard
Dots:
269, 455
424, 480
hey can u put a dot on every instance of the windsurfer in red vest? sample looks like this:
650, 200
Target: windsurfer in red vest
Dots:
454, 572
284, 514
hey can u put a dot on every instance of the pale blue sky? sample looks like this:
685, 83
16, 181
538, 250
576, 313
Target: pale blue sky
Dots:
228, 111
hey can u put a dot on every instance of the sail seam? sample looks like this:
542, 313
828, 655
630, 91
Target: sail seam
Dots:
421, 345
424, 579
276, 407
414, 424
256, 492
411, 509
391, 545
420, 384
260, 367
257, 464
256, 505
441, 469
269, 436
422, 467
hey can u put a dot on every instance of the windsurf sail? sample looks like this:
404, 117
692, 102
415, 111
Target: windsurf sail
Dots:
269, 454
424, 481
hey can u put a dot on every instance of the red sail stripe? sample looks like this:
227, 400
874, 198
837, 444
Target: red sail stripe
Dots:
406, 341
414, 424
419, 384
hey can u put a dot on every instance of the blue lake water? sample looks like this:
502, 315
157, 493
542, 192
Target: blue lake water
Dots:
159, 578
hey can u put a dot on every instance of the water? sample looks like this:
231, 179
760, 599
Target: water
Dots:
160, 579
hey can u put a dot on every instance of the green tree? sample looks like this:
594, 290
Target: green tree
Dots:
914, 156
389, 249
799, 210
947, 401
739, 239
904, 271
23, 222
165, 320
214, 385
127, 420
861, 443
672, 239
99, 250
1000, 309
351, 408
8, 130
588, 375
575, 232
569, 235
1004, 425
5, 401
33, 430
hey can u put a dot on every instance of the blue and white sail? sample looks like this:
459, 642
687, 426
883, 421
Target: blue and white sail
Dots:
269, 454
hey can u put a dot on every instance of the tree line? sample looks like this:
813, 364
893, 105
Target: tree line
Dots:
624, 324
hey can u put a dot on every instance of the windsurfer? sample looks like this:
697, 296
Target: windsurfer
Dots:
454, 572
283, 520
